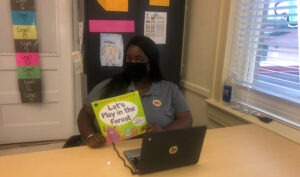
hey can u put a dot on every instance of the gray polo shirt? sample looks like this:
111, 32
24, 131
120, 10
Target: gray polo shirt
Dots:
161, 103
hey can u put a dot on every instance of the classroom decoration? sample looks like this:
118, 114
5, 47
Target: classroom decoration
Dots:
155, 26
160, 20
115, 5
26, 47
165, 3
111, 26
120, 117
111, 49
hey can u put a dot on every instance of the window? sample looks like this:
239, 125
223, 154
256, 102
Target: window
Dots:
264, 58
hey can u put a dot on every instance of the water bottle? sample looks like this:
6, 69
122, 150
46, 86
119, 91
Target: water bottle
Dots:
228, 90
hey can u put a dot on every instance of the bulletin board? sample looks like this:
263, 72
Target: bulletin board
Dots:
101, 18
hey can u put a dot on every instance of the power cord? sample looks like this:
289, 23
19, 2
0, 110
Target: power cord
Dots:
134, 172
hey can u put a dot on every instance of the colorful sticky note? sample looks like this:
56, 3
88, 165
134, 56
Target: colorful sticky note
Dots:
26, 45
30, 90
165, 3
111, 26
27, 59
115, 5
24, 32
28, 72
22, 5
23, 17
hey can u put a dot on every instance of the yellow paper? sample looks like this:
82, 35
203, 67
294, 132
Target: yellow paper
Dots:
24, 32
114, 5
160, 3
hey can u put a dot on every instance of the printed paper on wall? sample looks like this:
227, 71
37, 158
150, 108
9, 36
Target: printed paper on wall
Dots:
155, 26
111, 49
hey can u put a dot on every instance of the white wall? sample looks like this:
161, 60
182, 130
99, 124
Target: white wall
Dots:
205, 32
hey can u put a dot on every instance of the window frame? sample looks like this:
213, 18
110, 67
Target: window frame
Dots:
226, 25
259, 99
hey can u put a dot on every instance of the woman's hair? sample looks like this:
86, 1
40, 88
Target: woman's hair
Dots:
151, 51
119, 83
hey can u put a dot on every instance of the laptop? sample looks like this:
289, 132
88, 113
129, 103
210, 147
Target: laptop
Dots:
167, 150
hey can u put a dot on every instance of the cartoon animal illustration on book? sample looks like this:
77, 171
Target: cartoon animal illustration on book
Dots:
130, 132
112, 134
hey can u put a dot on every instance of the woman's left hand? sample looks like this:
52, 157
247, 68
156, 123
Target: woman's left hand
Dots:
153, 128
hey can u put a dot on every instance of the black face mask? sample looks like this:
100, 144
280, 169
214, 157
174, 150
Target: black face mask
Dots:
135, 71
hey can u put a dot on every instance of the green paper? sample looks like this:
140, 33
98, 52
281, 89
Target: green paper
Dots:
28, 72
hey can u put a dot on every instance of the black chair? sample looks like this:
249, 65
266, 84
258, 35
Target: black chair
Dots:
74, 141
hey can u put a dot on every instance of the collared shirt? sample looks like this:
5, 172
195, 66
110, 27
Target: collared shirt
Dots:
161, 103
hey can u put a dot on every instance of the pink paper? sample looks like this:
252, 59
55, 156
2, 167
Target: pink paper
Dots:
27, 59
111, 25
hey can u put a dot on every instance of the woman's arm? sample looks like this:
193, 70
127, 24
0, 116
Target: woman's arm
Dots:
182, 120
85, 125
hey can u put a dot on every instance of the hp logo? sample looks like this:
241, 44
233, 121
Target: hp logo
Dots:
173, 149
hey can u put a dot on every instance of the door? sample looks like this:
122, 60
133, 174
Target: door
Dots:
54, 117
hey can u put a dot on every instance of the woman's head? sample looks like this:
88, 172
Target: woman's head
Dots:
141, 50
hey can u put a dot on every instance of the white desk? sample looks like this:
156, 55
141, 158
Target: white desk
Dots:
241, 151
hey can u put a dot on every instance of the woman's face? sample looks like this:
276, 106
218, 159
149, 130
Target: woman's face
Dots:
137, 64
135, 54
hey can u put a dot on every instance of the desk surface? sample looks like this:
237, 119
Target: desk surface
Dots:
246, 150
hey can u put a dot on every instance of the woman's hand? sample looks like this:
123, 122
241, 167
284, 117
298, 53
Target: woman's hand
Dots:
153, 128
95, 140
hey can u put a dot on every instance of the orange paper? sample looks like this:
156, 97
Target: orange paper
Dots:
114, 5
160, 3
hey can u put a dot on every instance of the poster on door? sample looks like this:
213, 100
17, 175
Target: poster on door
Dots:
26, 47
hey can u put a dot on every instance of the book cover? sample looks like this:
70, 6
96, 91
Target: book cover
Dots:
120, 117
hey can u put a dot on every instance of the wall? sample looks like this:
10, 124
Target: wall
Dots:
205, 33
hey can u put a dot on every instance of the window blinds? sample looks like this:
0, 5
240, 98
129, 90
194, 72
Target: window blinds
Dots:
264, 58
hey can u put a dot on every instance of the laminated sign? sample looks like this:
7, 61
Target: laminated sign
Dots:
120, 117
26, 47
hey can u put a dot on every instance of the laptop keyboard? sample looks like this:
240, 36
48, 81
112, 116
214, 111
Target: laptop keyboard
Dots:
134, 156
135, 161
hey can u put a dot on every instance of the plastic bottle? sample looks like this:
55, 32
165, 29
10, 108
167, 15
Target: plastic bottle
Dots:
228, 89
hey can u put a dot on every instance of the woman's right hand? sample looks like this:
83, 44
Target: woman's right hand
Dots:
95, 140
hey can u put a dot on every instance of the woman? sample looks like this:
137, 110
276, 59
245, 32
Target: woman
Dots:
164, 105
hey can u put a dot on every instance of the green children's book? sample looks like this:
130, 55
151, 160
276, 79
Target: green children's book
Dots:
120, 117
